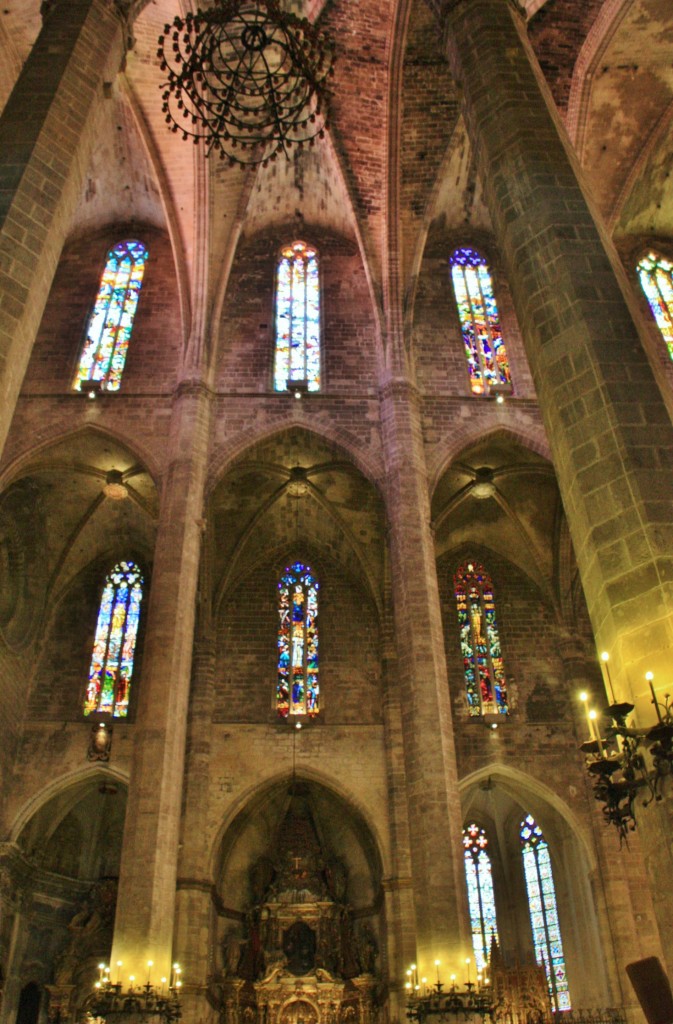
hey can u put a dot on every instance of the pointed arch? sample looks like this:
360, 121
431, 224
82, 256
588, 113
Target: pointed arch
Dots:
298, 687
298, 336
487, 360
112, 659
109, 329
480, 895
485, 683
543, 911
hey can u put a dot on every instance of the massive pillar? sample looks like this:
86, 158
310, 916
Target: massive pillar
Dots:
47, 130
147, 882
608, 427
435, 824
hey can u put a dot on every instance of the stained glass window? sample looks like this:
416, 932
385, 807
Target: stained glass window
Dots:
109, 329
115, 643
543, 911
297, 318
298, 691
484, 348
479, 893
656, 277
479, 641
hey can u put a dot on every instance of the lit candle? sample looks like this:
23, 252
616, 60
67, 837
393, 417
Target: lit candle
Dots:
468, 962
163, 986
150, 965
605, 657
592, 718
584, 697
119, 972
650, 676
424, 982
437, 963
453, 983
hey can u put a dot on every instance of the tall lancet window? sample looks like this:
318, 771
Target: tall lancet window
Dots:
297, 318
479, 641
543, 911
114, 646
485, 352
479, 893
298, 690
656, 278
109, 329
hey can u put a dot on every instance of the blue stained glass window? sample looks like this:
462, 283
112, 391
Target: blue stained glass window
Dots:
109, 328
114, 646
485, 351
297, 318
485, 681
480, 894
298, 689
656, 278
543, 911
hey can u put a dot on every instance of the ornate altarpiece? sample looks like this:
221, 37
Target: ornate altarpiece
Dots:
303, 960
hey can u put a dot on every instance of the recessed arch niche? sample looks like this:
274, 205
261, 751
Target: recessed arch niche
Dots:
499, 799
297, 905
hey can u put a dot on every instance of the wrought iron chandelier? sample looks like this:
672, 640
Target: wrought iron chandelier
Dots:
246, 78
431, 1001
114, 1002
627, 761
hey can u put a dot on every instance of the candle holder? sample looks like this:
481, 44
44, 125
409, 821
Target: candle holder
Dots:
470, 998
628, 761
115, 1003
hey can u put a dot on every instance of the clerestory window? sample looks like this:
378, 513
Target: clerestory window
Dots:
656, 278
483, 668
297, 357
111, 670
298, 689
485, 351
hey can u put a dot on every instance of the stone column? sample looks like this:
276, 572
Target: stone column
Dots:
608, 427
147, 882
47, 131
194, 909
609, 430
435, 823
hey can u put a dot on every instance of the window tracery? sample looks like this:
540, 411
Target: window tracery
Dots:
480, 895
543, 911
297, 357
109, 329
483, 668
298, 689
656, 279
111, 669
485, 351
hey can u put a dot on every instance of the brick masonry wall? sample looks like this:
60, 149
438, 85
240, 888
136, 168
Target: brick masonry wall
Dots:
154, 349
557, 32
247, 337
245, 680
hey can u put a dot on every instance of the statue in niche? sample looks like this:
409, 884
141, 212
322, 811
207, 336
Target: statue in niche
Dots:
299, 946
367, 948
336, 877
231, 948
261, 876
90, 930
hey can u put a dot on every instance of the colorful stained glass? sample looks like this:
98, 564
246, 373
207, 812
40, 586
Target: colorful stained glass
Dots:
115, 643
298, 690
481, 898
109, 329
543, 912
480, 642
297, 318
656, 277
485, 351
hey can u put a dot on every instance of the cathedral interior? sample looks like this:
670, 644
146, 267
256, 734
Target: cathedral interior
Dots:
368, 453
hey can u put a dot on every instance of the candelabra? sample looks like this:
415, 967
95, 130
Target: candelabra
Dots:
628, 760
425, 1001
116, 1003
247, 78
